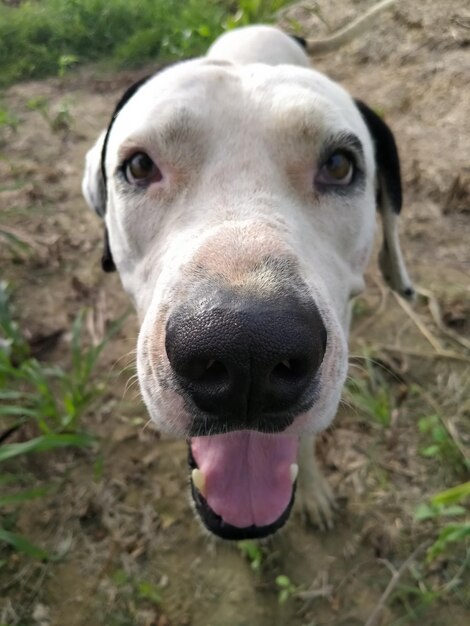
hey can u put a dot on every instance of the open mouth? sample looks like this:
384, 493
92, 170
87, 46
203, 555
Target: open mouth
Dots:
243, 482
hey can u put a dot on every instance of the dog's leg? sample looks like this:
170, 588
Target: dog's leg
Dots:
316, 498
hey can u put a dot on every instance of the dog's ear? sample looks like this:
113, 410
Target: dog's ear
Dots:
107, 261
94, 191
93, 186
389, 201
94, 183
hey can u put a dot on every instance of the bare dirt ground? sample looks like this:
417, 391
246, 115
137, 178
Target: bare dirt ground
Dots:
122, 516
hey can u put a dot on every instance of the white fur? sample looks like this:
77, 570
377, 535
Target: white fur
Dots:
243, 127
237, 136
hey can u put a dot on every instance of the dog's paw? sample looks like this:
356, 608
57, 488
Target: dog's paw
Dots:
317, 502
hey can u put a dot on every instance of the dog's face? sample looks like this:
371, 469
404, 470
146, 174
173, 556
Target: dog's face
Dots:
240, 208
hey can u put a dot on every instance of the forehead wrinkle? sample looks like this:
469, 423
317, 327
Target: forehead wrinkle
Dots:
167, 126
181, 126
301, 118
311, 125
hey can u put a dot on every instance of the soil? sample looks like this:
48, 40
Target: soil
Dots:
122, 518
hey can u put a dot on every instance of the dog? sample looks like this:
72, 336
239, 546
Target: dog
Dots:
239, 192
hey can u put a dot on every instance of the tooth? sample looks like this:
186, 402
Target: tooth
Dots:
294, 470
199, 480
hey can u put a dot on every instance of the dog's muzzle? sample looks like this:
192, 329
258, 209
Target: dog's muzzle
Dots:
243, 362
246, 366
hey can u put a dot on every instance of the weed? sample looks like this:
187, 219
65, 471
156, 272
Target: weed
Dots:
66, 61
135, 591
61, 121
18, 248
371, 394
8, 119
13, 345
416, 598
147, 591
447, 504
253, 552
439, 444
49, 37
48, 399
8, 124
51, 397
286, 588
253, 11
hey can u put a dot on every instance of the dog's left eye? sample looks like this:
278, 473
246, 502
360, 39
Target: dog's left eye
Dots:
337, 170
141, 170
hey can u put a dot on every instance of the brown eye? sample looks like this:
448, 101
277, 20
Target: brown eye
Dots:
337, 170
140, 169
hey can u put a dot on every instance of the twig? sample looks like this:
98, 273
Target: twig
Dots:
312, 594
444, 354
23, 237
352, 572
446, 422
396, 470
463, 21
419, 324
345, 35
435, 310
9, 432
374, 616
359, 330
455, 579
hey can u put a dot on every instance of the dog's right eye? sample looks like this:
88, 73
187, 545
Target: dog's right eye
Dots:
141, 170
338, 170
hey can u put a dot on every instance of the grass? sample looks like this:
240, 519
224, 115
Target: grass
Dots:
439, 445
448, 504
369, 393
61, 121
253, 552
8, 119
50, 37
286, 588
42, 403
441, 522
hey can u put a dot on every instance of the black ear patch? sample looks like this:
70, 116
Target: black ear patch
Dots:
107, 261
389, 201
386, 155
127, 95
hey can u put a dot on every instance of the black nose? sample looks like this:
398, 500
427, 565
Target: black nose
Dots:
245, 359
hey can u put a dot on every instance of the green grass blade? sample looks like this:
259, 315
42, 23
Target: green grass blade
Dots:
22, 545
23, 496
10, 394
11, 410
45, 442
452, 495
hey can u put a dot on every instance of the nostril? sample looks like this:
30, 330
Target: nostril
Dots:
290, 370
207, 372
215, 373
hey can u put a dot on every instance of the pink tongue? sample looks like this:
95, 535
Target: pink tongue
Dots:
247, 475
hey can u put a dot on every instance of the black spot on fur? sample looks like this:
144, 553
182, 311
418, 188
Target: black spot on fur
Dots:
386, 155
301, 41
107, 261
123, 100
